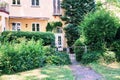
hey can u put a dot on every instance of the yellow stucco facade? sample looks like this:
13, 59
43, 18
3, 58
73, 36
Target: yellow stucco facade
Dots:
26, 24
24, 13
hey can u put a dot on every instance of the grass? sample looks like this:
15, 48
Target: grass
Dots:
45, 73
109, 72
57, 73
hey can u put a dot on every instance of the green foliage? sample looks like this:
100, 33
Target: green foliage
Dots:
91, 57
53, 25
76, 9
55, 57
117, 37
99, 29
16, 57
48, 38
79, 49
98, 56
72, 33
115, 46
49, 27
22, 56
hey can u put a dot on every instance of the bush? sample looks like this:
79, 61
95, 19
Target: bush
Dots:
20, 57
100, 29
79, 49
55, 57
115, 46
48, 38
117, 37
98, 56
72, 33
16, 57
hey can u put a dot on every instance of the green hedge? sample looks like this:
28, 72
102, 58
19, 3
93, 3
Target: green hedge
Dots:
48, 38
55, 57
19, 57
99, 57
16, 57
79, 49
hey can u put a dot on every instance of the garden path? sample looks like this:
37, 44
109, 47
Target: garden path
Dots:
82, 72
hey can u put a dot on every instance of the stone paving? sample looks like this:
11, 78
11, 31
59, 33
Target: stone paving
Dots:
81, 72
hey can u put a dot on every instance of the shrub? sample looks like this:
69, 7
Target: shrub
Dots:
115, 46
98, 56
55, 57
72, 33
117, 37
20, 57
79, 49
48, 38
16, 57
91, 57
99, 29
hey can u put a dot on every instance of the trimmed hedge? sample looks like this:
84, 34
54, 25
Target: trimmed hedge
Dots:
20, 57
48, 38
16, 57
56, 57
79, 49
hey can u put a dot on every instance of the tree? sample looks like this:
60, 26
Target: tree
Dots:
74, 11
99, 29
72, 33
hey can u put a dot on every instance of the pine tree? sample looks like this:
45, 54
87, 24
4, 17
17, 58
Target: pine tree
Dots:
74, 11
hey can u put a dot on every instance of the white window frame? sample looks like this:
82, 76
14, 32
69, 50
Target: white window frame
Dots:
35, 4
16, 26
16, 2
36, 26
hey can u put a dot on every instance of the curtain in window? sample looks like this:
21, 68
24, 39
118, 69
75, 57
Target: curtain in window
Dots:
58, 6
33, 2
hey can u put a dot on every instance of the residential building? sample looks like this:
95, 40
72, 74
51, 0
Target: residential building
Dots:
31, 15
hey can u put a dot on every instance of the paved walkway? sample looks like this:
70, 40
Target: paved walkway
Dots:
81, 72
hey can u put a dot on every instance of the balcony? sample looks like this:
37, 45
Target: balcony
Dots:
4, 7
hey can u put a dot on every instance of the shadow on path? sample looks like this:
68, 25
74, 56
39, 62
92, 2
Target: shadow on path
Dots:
81, 72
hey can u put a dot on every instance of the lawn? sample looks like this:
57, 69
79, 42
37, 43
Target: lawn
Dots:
45, 73
109, 72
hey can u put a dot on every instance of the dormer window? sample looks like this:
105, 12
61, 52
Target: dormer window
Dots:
16, 2
35, 2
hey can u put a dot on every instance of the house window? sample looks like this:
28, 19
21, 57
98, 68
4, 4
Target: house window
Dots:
56, 6
59, 30
35, 27
59, 40
16, 2
16, 26
35, 2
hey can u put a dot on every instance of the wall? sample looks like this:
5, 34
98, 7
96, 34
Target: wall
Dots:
29, 22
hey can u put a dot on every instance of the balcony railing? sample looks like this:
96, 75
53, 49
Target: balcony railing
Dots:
4, 7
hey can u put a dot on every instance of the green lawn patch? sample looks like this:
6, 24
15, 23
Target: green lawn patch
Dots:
109, 72
57, 73
45, 73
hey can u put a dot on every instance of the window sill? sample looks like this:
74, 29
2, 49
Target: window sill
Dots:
33, 6
57, 14
16, 5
